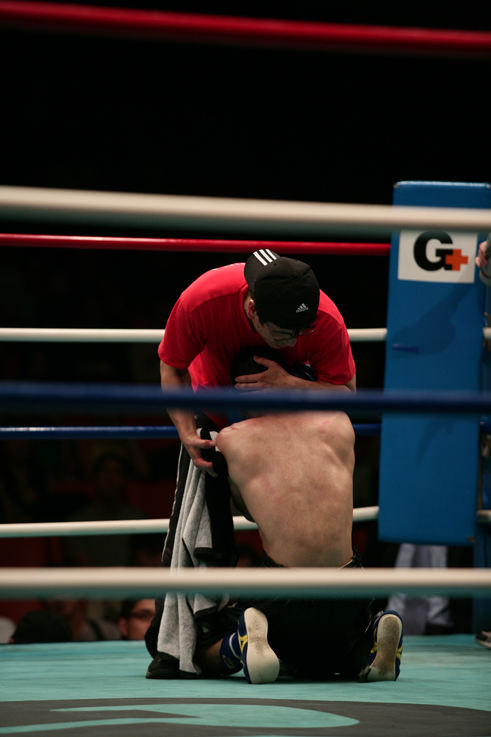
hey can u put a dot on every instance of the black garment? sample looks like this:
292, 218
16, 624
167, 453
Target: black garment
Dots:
317, 638
313, 638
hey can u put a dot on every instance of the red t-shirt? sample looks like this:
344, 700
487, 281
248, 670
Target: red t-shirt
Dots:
208, 327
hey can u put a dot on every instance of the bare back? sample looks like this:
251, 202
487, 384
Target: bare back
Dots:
294, 473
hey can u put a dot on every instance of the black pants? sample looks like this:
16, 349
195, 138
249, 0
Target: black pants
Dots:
313, 638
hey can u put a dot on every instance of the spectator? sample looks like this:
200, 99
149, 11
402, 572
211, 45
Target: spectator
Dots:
109, 479
24, 484
83, 627
7, 627
136, 615
41, 626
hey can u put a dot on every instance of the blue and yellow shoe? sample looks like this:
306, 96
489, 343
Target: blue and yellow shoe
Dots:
384, 661
260, 662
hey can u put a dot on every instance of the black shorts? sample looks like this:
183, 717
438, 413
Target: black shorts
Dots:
317, 638
313, 638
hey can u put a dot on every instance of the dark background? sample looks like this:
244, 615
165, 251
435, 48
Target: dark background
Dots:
104, 113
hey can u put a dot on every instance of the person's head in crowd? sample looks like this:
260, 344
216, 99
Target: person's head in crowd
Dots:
247, 556
110, 478
85, 626
146, 549
136, 615
72, 611
284, 297
41, 626
7, 627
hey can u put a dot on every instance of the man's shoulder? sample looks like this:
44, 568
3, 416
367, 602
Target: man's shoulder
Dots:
328, 310
329, 425
217, 282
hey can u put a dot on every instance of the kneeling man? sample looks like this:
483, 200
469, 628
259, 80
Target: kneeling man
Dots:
292, 473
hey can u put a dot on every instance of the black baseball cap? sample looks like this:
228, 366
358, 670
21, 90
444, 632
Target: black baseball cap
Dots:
286, 291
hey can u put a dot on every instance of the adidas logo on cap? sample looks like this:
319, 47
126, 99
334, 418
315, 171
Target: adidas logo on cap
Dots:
303, 308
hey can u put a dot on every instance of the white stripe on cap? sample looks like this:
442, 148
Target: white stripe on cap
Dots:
265, 256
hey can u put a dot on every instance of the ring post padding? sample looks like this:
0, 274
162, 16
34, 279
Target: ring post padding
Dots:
481, 610
429, 464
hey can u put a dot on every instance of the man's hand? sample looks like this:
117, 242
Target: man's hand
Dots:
274, 377
481, 260
194, 445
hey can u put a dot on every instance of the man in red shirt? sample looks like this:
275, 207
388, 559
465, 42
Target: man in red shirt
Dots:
270, 301
273, 301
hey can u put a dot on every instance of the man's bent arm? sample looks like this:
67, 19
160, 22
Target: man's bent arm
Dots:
184, 421
275, 377
298, 383
350, 385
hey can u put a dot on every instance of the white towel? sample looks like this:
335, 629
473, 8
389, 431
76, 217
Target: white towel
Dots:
178, 630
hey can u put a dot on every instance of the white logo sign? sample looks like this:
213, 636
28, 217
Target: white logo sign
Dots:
437, 256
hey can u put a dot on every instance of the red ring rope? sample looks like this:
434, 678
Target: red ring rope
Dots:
191, 244
245, 31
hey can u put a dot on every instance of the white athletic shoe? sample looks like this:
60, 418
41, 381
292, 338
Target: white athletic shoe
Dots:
260, 662
384, 661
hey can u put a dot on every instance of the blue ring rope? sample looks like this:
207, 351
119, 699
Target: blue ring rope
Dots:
27, 397
121, 433
163, 432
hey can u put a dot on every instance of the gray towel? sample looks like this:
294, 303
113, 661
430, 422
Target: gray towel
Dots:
178, 631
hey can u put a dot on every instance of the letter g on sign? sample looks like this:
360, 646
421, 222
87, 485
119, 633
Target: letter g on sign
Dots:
420, 250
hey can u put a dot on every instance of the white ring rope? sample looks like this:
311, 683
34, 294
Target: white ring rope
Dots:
106, 527
238, 214
97, 335
118, 527
101, 335
314, 582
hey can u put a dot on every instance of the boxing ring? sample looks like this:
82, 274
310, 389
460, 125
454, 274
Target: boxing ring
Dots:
95, 688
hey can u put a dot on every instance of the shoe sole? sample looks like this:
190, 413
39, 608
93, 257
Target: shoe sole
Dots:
383, 667
262, 663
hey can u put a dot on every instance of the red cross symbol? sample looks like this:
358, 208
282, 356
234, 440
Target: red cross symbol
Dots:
455, 259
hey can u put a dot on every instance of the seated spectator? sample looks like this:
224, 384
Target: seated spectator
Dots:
41, 626
247, 556
7, 627
136, 615
109, 479
24, 483
146, 549
83, 627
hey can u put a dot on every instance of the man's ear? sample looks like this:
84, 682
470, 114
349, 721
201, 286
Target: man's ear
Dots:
251, 309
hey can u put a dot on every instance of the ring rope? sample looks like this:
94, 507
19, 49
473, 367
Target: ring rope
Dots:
191, 244
125, 432
33, 396
101, 335
139, 526
134, 432
105, 335
104, 527
246, 31
314, 582
126, 208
